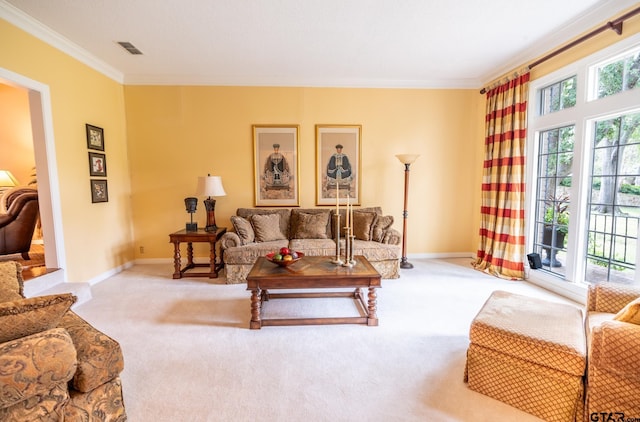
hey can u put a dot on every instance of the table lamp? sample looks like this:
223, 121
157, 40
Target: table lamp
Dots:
210, 186
191, 204
7, 180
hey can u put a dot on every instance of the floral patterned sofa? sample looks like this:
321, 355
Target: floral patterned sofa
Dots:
54, 366
258, 231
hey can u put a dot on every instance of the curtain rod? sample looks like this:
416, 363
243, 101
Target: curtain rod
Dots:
615, 25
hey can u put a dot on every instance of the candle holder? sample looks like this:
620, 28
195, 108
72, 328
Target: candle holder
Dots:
337, 259
352, 261
348, 249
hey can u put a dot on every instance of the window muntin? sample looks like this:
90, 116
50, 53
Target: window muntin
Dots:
558, 96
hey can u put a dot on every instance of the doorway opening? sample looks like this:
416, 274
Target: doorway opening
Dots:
40, 115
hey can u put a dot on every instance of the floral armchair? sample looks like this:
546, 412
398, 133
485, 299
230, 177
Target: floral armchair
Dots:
54, 366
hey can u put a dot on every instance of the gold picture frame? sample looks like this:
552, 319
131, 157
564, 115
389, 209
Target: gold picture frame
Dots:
276, 165
338, 168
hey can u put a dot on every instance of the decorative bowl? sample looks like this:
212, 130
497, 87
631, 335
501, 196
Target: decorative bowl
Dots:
283, 263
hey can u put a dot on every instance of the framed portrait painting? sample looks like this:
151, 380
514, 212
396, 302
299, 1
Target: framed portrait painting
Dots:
95, 137
276, 180
99, 191
97, 164
338, 170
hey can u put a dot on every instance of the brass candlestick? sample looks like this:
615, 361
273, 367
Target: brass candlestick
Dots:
338, 259
348, 248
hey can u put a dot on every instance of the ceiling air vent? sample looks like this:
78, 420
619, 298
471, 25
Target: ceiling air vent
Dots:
129, 47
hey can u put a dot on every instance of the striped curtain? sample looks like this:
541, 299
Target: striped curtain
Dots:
502, 231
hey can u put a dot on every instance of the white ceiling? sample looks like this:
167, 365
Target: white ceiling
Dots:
356, 43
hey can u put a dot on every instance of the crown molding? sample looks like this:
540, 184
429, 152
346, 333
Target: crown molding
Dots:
194, 80
589, 20
34, 27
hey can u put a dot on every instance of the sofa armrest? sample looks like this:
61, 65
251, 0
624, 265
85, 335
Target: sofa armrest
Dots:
392, 237
99, 356
35, 364
610, 297
230, 240
614, 348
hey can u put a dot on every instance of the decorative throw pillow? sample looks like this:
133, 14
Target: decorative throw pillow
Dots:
311, 226
362, 223
9, 282
630, 313
380, 226
243, 229
266, 227
24, 317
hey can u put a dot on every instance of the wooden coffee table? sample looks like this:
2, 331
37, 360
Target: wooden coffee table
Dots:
313, 272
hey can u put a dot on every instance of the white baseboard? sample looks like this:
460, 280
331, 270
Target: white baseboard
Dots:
442, 255
105, 275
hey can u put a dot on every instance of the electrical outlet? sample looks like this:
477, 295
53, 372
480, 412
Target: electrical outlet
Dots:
141, 249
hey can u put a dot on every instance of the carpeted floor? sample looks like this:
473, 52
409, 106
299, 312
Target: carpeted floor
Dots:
189, 355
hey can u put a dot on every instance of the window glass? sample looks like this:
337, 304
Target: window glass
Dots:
559, 96
620, 75
555, 159
614, 200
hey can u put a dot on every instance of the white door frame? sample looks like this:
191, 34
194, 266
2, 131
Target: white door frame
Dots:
46, 165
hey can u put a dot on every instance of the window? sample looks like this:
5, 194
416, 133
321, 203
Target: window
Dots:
555, 156
559, 96
614, 201
619, 75
583, 164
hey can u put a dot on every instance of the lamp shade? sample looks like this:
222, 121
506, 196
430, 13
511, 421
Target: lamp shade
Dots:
7, 180
407, 158
210, 186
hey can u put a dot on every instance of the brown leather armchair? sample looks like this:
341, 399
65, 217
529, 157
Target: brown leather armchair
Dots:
19, 222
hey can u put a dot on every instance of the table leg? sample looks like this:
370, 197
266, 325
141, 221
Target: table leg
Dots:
373, 318
255, 323
176, 260
213, 273
189, 254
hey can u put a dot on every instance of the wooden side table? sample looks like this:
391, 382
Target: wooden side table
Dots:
189, 237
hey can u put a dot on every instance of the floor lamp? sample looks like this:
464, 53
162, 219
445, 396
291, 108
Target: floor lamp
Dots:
407, 160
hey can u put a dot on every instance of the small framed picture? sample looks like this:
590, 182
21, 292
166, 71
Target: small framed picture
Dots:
99, 191
95, 137
338, 172
275, 160
97, 164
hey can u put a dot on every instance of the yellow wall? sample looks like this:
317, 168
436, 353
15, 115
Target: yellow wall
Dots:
179, 133
98, 237
16, 140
